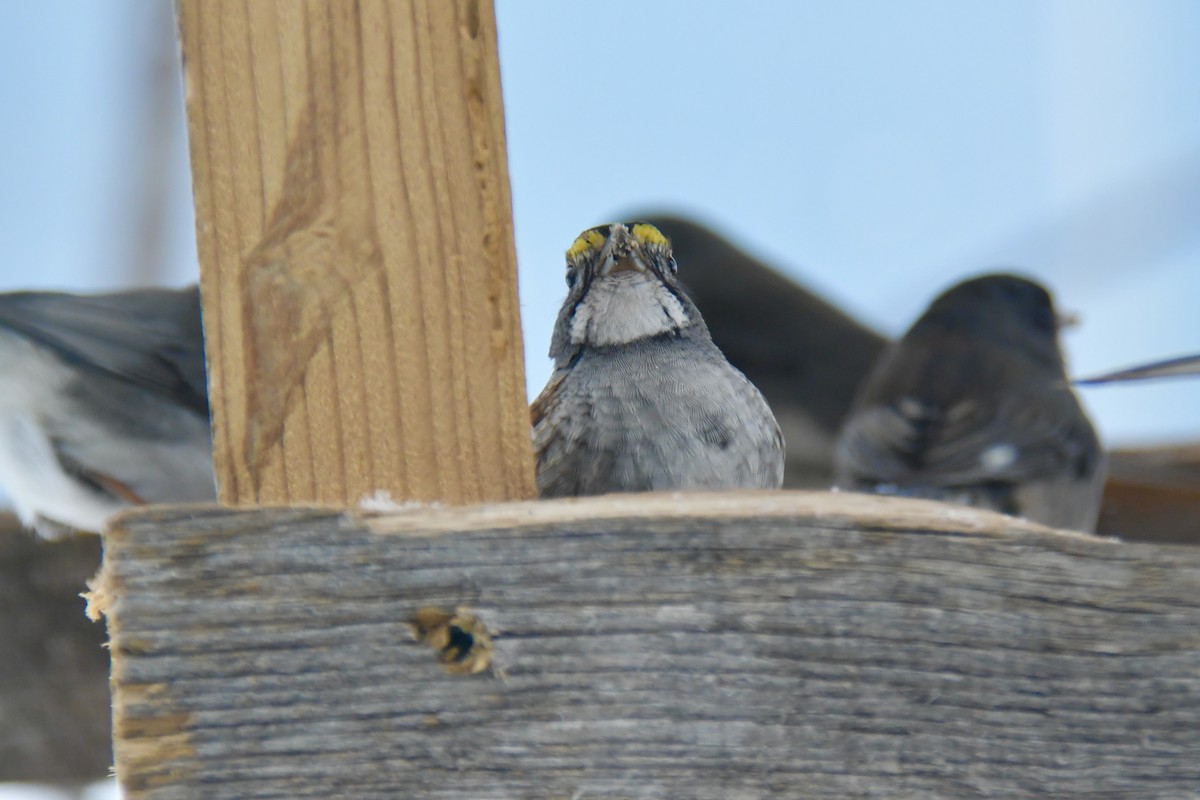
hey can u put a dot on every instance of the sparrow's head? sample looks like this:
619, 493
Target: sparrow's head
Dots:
1004, 309
621, 287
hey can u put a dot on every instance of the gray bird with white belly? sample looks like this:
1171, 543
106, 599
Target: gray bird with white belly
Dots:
103, 405
973, 406
641, 399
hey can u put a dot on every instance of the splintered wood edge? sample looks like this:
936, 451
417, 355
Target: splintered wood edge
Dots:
840, 509
100, 593
844, 509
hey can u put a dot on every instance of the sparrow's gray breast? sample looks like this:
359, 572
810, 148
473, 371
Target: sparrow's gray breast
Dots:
656, 414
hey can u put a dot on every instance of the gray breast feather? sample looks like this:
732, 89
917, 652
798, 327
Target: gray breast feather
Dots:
645, 418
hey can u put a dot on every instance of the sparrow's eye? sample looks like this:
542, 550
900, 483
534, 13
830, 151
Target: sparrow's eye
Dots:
572, 276
671, 265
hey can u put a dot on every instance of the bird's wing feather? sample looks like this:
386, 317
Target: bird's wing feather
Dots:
917, 426
1023, 440
151, 338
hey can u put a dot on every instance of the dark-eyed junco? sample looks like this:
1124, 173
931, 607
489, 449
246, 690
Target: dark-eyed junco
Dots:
1171, 368
973, 406
103, 404
641, 399
804, 354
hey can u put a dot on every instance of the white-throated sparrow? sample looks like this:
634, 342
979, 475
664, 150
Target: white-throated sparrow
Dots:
641, 399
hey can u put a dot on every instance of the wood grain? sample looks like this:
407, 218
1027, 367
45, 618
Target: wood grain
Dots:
659, 646
357, 261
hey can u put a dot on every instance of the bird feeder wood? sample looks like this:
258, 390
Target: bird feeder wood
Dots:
361, 321
771, 644
358, 272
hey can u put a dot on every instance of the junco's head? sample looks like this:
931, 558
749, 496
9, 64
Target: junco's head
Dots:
1005, 309
103, 404
973, 406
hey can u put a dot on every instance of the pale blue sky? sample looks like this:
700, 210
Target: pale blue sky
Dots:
877, 150
881, 151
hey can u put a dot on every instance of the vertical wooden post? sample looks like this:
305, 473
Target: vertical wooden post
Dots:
357, 262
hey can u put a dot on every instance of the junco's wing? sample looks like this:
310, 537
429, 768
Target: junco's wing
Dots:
1174, 367
539, 410
151, 338
945, 419
104, 404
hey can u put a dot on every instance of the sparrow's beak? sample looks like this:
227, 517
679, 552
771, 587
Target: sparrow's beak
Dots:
621, 253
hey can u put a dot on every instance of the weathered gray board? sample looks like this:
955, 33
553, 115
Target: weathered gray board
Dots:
656, 646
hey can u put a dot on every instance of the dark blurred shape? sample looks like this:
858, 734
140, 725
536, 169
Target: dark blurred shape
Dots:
149, 338
1175, 467
1153, 495
154, 147
803, 354
808, 358
1171, 368
972, 406
54, 701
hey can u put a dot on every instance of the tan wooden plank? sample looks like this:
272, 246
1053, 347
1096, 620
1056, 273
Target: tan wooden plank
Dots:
357, 261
